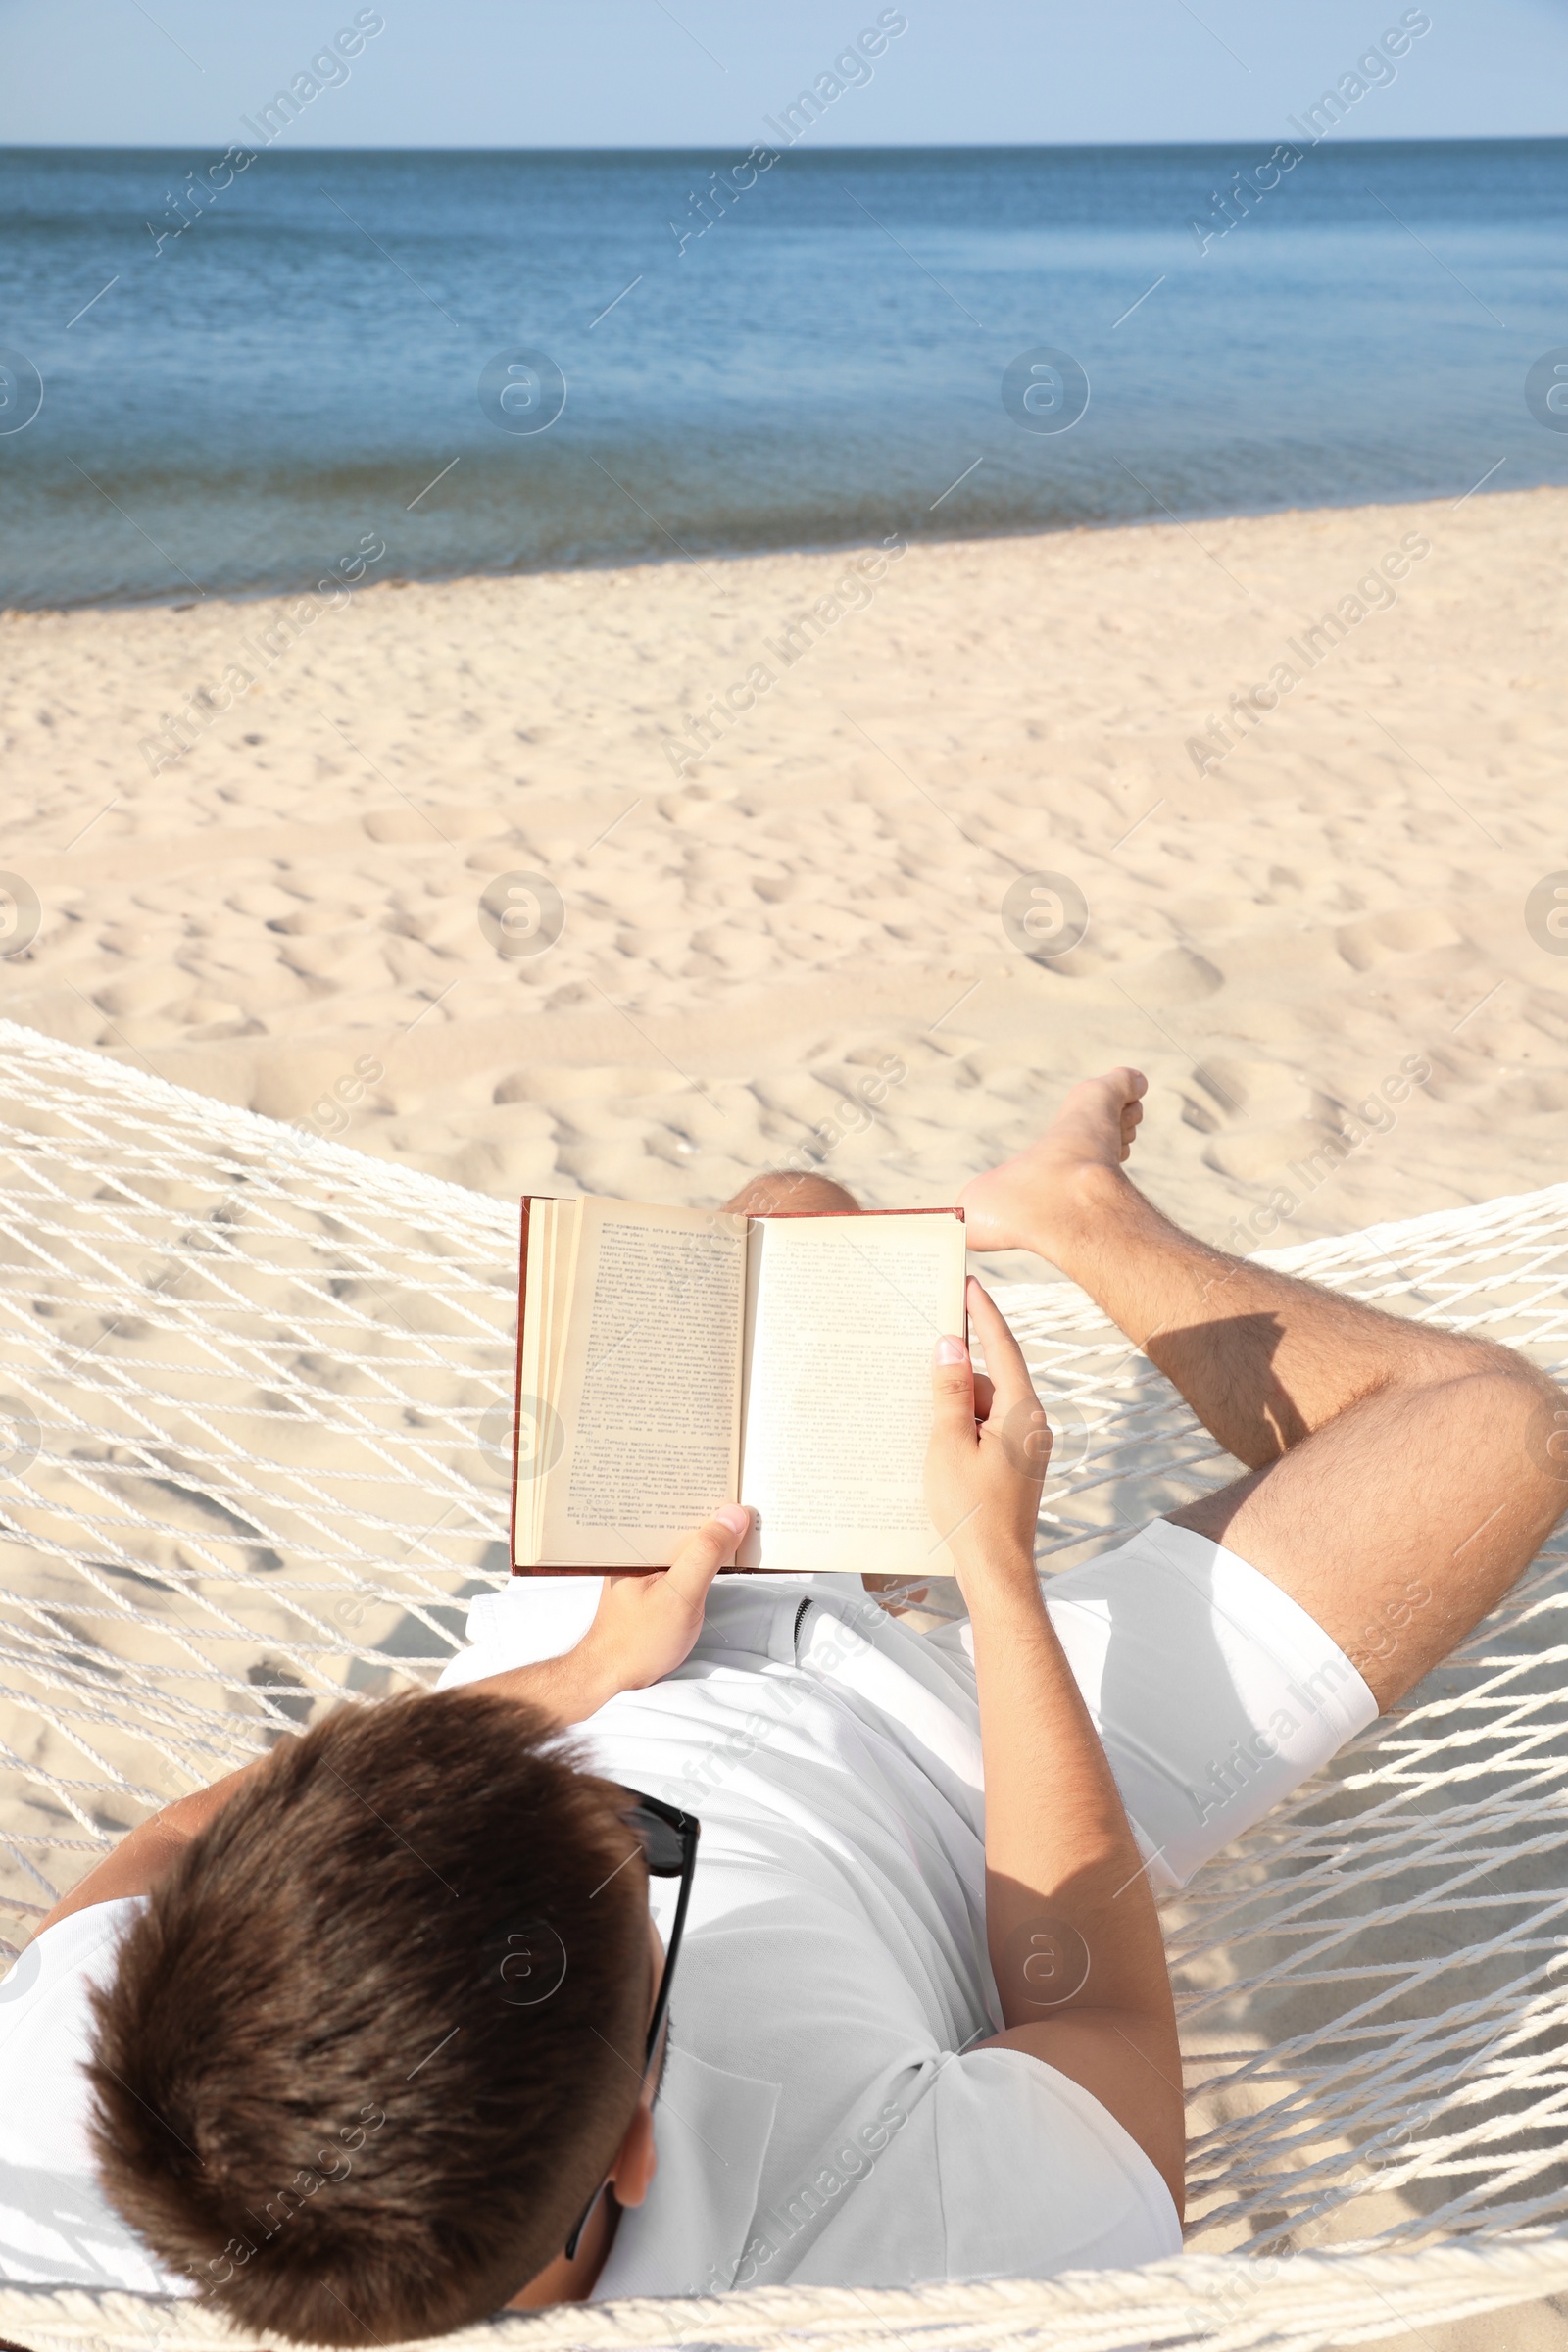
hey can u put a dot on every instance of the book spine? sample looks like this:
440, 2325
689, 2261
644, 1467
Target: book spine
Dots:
516, 1378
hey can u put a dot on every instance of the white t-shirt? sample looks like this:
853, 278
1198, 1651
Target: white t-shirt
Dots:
818, 2120
56, 2226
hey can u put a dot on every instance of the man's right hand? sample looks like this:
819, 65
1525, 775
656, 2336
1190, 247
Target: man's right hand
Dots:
645, 1625
987, 1456
642, 1630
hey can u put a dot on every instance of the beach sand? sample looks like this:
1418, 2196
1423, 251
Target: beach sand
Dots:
796, 949
287, 913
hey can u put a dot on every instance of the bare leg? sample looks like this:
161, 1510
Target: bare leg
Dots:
792, 1191
1400, 1477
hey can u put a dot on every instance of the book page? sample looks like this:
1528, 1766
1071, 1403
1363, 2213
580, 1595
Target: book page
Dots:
553, 1231
649, 1386
530, 1380
842, 1315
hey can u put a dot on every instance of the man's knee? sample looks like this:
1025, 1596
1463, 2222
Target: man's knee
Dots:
1519, 1404
793, 1192
1422, 1356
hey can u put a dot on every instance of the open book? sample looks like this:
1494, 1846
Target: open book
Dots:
673, 1359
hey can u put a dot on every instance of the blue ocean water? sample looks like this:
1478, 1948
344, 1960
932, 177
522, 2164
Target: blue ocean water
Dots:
810, 354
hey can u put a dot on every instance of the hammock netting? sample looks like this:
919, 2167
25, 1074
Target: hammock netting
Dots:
254, 1458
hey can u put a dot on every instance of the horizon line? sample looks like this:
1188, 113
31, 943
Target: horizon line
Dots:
825, 148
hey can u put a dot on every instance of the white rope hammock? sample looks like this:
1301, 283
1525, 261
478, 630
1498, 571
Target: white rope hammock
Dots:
254, 1455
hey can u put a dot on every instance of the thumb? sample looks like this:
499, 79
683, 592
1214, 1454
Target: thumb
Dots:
700, 1559
952, 1388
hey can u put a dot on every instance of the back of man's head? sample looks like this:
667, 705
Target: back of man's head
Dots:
376, 2038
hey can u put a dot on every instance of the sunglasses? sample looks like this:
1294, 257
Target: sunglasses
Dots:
668, 1840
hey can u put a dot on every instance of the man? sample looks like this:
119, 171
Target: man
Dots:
375, 2037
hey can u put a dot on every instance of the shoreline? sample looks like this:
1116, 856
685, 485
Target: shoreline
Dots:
182, 601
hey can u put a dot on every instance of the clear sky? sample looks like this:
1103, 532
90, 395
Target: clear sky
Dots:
704, 72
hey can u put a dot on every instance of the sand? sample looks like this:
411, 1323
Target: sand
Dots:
287, 913
793, 948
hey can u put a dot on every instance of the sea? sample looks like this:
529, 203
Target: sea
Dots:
226, 377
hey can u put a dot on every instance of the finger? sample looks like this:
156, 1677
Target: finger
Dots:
700, 1559
985, 1390
951, 1389
1009, 1373
1026, 1440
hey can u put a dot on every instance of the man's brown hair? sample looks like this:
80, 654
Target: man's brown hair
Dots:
374, 2041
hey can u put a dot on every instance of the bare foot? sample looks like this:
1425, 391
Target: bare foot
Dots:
793, 1192
1012, 1206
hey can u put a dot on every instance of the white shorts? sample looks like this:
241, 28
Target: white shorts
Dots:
1214, 1694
